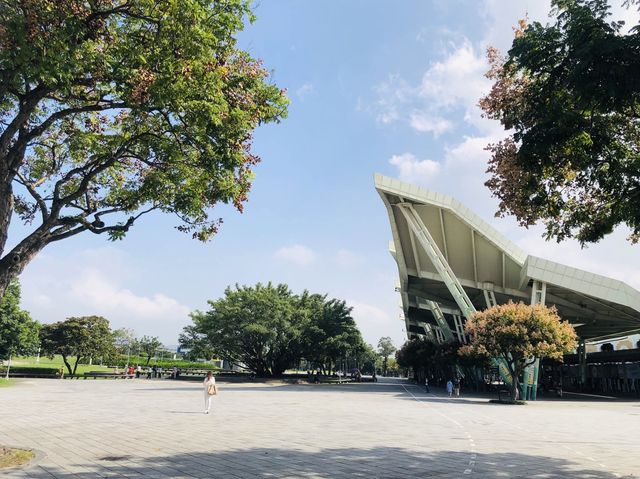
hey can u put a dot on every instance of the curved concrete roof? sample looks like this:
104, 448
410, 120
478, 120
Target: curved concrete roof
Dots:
484, 260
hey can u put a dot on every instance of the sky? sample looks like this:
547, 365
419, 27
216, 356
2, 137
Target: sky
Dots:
375, 86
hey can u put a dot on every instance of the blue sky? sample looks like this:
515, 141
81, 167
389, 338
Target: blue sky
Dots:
376, 86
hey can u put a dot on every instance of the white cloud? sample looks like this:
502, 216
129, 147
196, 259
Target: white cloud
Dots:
457, 80
421, 121
104, 294
374, 322
304, 91
297, 254
392, 95
412, 169
94, 284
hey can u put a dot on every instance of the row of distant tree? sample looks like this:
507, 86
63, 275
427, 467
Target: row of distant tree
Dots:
76, 339
264, 328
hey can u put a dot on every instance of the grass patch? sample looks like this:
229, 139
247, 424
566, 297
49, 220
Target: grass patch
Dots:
4, 383
10, 457
56, 362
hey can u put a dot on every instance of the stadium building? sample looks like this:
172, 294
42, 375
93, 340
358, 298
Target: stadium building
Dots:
451, 263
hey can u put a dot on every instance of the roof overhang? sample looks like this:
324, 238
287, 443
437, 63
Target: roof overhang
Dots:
484, 260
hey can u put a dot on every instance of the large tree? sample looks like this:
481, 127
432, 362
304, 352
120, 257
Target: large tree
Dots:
331, 333
569, 94
115, 108
518, 333
256, 326
18, 332
81, 338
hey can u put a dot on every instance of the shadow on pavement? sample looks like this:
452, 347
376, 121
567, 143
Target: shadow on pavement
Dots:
381, 462
402, 389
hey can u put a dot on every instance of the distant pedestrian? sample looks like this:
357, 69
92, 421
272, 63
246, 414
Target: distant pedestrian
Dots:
154, 369
449, 387
149, 371
456, 388
210, 390
138, 370
160, 372
374, 377
426, 385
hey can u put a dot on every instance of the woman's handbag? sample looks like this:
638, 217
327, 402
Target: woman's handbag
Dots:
211, 390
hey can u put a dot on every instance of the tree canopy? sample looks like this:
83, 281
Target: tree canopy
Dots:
385, 349
124, 341
149, 345
268, 328
18, 332
112, 109
519, 333
330, 332
569, 94
83, 337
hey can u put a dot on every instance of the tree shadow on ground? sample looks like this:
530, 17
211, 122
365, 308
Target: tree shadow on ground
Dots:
379, 462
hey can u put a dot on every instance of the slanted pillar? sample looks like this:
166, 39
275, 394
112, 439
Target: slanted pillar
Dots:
530, 377
440, 263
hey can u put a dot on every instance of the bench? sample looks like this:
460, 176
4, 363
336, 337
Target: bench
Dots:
104, 374
31, 375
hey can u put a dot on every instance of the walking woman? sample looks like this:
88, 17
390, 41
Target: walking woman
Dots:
210, 390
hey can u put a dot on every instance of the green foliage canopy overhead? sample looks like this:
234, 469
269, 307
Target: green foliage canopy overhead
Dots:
570, 95
112, 109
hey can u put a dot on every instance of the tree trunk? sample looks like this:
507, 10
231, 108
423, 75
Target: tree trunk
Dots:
14, 262
64, 359
6, 211
8, 368
148, 359
514, 390
75, 366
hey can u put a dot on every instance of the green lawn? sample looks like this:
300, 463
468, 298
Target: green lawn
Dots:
56, 362
6, 383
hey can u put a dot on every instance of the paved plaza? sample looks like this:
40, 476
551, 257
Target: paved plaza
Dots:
157, 429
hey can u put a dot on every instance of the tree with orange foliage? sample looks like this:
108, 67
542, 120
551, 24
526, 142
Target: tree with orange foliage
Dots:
518, 333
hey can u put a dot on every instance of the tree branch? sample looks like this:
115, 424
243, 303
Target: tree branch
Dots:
36, 196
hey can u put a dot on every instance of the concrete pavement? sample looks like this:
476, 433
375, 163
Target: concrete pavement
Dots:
157, 429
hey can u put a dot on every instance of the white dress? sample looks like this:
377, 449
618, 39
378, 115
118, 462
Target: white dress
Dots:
208, 398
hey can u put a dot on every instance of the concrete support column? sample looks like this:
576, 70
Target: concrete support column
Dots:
582, 357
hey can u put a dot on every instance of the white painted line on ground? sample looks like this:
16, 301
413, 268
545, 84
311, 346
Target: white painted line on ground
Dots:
592, 395
471, 442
